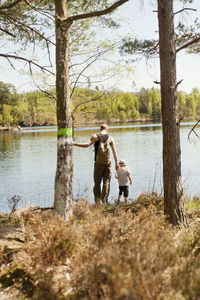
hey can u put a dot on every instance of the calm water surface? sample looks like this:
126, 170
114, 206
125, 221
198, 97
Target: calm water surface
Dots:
28, 162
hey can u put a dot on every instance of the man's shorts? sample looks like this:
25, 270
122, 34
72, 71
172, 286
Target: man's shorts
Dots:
123, 190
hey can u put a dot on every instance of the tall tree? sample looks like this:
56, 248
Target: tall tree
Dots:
64, 172
173, 190
168, 45
31, 21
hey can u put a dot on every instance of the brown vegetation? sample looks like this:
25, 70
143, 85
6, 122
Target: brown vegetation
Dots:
118, 252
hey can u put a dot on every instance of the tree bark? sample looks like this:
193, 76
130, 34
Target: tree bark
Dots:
64, 173
173, 190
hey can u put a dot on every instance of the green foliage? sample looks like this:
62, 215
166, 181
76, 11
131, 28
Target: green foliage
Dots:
16, 23
7, 118
130, 46
193, 206
189, 36
32, 108
189, 105
7, 94
90, 106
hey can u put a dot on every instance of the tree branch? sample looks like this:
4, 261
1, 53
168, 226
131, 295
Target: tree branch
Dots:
97, 81
29, 61
82, 63
79, 104
194, 41
89, 64
46, 92
87, 101
16, 21
7, 32
192, 130
96, 13
41, 10
156, 82
82, 73
179, 82
8, 6
177, 12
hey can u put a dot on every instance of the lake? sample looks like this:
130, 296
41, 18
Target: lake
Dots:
28, 162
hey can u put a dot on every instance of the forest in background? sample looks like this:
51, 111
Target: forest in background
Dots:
36, 108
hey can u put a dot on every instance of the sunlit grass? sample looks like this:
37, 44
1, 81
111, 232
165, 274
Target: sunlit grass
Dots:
192, 205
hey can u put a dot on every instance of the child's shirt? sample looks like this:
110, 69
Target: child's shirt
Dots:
122, 174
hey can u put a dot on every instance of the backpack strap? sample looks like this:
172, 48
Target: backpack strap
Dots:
101, 139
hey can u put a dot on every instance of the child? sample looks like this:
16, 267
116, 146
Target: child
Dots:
123, 175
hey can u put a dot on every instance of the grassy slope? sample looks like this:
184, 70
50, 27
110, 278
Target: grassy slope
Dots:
119, 252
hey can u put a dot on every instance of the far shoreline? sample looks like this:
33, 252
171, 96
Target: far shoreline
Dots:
11, 128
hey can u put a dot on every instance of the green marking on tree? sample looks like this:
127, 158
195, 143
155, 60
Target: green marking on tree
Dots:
65, 132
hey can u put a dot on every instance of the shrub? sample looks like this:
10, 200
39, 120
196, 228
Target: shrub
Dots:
125, 257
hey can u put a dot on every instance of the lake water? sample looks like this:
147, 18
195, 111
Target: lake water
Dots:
28, 162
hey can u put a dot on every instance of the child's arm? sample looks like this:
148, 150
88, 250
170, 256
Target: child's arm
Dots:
129, 177
116, 176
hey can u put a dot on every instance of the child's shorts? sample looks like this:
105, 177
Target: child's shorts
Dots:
123, 190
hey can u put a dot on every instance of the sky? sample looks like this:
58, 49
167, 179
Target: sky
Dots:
140, 21
143, 22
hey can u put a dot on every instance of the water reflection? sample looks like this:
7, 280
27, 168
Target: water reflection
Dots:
26, 162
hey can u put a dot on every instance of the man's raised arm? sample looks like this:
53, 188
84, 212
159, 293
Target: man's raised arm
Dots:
93, 139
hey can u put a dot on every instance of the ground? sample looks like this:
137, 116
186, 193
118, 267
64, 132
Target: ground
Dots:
11, 239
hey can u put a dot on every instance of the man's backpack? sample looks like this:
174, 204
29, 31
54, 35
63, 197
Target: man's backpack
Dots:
103, 152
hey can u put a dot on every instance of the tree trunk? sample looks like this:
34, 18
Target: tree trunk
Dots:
173, 190
64, 172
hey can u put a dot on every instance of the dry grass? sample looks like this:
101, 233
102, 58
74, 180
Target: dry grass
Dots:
125, 252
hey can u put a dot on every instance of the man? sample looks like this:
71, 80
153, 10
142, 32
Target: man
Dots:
102, 167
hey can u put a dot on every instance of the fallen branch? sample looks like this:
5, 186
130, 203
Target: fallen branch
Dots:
35, 208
